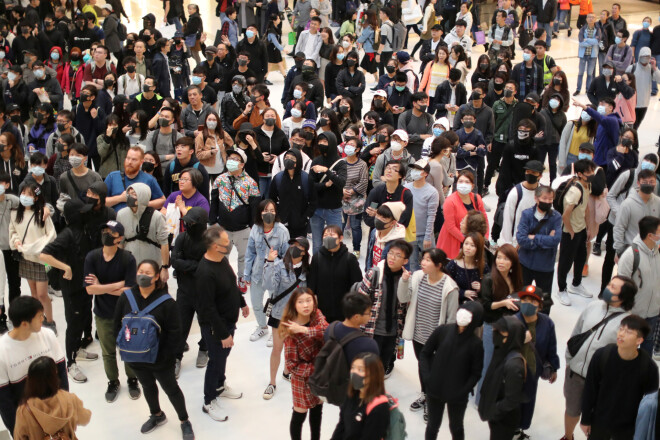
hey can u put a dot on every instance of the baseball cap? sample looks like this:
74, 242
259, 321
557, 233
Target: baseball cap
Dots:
211, 49
402, 135
403, 56
587, 146
239, 152
534, 165
302, 241
309, 123
114, 226
422, 164
533, 292
533, 96
381, 93
107, 6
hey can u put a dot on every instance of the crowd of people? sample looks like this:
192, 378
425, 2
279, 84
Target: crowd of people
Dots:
124, 166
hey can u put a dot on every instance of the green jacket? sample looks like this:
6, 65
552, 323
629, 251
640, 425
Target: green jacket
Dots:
503, 114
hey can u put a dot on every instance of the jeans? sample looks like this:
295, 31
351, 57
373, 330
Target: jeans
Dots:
588, 64
323, 217
76, 304
416, 256
105, 327
548, 31
456, 413
264, 186
257, 299
648, 343
240, 240
386, 347
355, 222
572, 252
489, 348
176, 22
215, 369
527, 408
552, 151
186, 303
165, 377
562, 16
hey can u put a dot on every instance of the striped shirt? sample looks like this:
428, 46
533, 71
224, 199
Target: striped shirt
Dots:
429, 305
356, 177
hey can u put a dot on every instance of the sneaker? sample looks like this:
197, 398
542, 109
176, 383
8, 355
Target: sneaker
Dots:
595, 249
388, 371
579, 290
86, 341
419, 403
488, 208
270, 392
227, 392
570, 31
268, 83
521, 435
374, 88
585, 271
177, 368
486, 192
357, 254
76, 374
134, 391
51, 325
84, 355
242, 285
202, 359
112, 391
215, 412
187, 431
153, 423
56, 293
269, 342
258, 333
576, 93
563, 298
286, 376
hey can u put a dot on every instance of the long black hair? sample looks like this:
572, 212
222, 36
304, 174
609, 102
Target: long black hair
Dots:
261, 208
288, 264
37, 208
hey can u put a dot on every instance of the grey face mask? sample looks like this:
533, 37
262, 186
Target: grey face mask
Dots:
329, 242
143, 280
237, 89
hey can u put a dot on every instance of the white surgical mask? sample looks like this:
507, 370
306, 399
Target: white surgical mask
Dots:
396, 146
349, 150
211, 125
464, 188
585, 116
297, 93
296, 113
463, 317
416, 174
601, 109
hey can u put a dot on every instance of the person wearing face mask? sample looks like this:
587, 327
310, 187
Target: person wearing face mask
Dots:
366, 411
112, 146
351, 82
607, 85
67, 253
25, 40
164, 139
555, 123
294, 71
620, 54
148, 100
177, 60
503, 111
207, 91
89, 120
56, 62
390, 189
450, 366
607, 134
417, 123
15, 91
300, 95
315, 87
355, 191
43, 128
449, 96
623, 157
646, 74
541, 359
576, 134
516, 154
590, 36
75, 182
256, 48
9, 267
425, 207
528, 75
233, 103
152, 293
604, 318
47, 184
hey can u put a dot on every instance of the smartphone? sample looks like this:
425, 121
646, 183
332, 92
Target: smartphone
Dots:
374, 205
200, 127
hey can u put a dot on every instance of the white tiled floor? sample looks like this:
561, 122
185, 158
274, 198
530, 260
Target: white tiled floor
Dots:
254, 418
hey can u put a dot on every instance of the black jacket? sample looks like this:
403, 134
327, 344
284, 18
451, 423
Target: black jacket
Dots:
275, 145
52, 87
315, 92
380, 195
331, 276
443, 96
600, 89
189, 248
451, 362
159, 68
502, 388
426, 55
521, 111
355, 424
258, 55
352, 86
329, 197
514, 158
213, 72
238, 219
545, 14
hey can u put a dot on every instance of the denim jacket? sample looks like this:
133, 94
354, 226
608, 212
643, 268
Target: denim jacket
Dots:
258, 248
538, 254
366, 39
276, 280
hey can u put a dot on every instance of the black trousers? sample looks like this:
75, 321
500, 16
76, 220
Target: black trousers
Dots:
552, 151
504, 428
572, 252
386, 348
543, 281
418, 351
13, 280
187, 310
610, 253
77, 305
494, 158
456, 413
165, 377
639, 117
384, 58
603, 433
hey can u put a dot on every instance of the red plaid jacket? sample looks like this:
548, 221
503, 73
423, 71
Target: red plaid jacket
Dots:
376, 294
300, 350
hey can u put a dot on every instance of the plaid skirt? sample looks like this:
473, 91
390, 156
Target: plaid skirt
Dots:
302, 395
32, 271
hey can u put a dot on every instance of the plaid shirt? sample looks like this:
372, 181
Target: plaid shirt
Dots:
589, 34
232, 189
376, 295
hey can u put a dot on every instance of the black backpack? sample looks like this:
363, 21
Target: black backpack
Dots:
561, 191
143, 227
331, 369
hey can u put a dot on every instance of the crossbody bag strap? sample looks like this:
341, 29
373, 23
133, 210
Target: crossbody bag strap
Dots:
73, 183
330, 169
604, 322
27, 227
232, 180
279, 297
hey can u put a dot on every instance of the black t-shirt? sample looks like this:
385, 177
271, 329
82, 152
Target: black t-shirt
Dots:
71, 247
122, 267
364, 344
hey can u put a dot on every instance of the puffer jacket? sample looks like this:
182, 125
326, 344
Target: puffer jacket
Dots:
258, 248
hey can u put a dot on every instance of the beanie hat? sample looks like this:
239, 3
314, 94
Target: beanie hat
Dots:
397, 209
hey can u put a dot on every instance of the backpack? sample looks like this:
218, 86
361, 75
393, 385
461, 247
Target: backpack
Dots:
304, 181
139, 335
397, 428
331, 375
498, 219
635, 267
154, 139
143, 228
121, 31
628, 185
562, 189
398, 36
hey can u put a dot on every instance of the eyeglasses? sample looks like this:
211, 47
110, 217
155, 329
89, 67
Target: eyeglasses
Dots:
184, 180
396, 256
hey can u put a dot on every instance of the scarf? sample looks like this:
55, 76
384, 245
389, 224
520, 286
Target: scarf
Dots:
391, 280
523, 71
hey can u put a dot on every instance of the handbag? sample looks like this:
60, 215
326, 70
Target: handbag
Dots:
412, 14
576, 342
270, 302
191, 40
173, 219
480, 37
15, 253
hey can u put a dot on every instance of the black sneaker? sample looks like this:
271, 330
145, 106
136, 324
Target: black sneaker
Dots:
576, 93
112, 391
134, 391
388, 371
268, 83
186, 347
570, 31
187, 431
286, 376
86, 341
595, 249
153, 423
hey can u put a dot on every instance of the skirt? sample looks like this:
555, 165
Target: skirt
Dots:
274, 55
369, 62
273, 322
302, 394
32, 271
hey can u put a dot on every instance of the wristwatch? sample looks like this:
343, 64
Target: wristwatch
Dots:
165, 266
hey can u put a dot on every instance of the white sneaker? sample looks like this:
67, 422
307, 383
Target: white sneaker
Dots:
269, 343
227, 392
563, 298
579, 290
258, 333
270, 392
84, 355
76, 374
215, 412
55, 293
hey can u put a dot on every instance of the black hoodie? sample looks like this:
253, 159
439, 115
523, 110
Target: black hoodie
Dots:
99, 214
189, 248
295, 205
502, 389
329, 197
514, 157
451, 362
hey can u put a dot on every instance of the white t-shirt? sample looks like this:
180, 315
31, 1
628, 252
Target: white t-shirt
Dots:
16, 356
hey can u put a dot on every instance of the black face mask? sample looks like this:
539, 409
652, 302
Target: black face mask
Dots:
475, 96
163, 122
307, 135
59, 147
498, 339
628, 143
390, 69
195, 230
508, 93
145, 38
351, 62
242, 62
343, 109
297, 145
289, 164
468, 124
545, 206
146, 88
148, 167
268, 217
381, 138
107, 239
299, 64
323, 149
379, 104
61, 127
15, 118
133, 123
108, 83
422, 108
131, 201
75, 57
484, 66
296, 252
91, 201
646, 188
270, 122
369, 126
379, 224
307, 73
498, 86
556, 81
323, 122
130, 69
531, 179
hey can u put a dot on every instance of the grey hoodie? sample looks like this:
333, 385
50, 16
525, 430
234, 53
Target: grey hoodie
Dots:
647, 300
382, 160
630, 213
644, 76
50, 143
614, 199
143, 250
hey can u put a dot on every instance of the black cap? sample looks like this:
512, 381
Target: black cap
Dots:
12, 108
114, 226
302, 241
436, 27
533, 96
534, 165
587, 146
300, 55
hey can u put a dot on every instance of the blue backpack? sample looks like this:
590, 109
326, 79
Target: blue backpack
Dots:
139, 335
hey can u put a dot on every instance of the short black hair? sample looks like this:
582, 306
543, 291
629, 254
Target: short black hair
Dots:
455, 75
211, 234
418, 96
584, 165
403, 246
609, 101
648, 225
5, 177
468, 112
400, 77
79, 148
24, 309
402, 167
645, 174
355, 303
628, 292
625, 33
38, 158
637, 323
385, 211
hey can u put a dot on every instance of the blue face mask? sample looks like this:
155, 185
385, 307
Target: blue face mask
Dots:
249, 33
196, 80
648, 166
37, 171
646, 25
340, 56
585, 116
55, 56
584, 156
400, 88
528, 309
617, 40
437, 131
349, 150
527, 56
297, 93
26, 200
608, 296
232, 165
601, 109
554, 103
